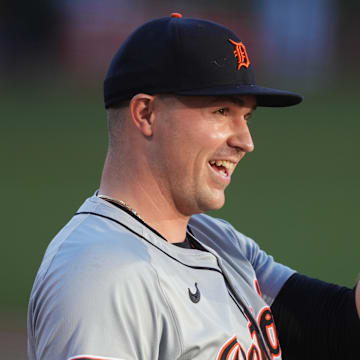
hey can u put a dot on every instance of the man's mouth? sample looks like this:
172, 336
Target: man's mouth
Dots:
224, 167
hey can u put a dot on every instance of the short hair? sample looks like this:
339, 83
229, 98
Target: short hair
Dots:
115, 117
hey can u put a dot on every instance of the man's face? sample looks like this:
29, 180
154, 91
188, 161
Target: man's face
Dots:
196, 145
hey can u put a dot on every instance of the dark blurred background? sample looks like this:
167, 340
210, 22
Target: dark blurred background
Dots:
297, 195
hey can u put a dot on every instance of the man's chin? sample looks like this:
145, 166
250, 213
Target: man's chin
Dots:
207, 201
215, 203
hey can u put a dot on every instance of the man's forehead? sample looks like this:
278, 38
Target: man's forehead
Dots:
239, 100
207, 101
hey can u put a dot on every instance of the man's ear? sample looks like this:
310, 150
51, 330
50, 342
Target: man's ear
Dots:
141, 110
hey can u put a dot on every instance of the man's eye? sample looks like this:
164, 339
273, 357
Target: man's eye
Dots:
222, 111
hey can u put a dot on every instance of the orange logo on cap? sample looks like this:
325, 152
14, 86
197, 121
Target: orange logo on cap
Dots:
241, 54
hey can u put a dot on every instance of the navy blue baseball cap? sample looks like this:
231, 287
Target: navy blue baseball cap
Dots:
184, 56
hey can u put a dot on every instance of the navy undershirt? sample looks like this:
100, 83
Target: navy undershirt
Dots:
184, 244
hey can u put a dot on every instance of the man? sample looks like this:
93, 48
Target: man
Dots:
140, 272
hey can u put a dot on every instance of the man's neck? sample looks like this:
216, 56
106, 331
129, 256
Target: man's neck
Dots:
154, 210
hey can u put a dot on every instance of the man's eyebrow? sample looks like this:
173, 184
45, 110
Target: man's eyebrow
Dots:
233, 99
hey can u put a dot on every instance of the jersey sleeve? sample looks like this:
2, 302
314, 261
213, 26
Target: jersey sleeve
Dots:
92, 308
270, 274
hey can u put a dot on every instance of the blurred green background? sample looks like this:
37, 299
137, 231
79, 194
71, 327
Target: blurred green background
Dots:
297, 194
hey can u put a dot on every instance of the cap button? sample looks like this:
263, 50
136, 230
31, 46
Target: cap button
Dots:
176, 15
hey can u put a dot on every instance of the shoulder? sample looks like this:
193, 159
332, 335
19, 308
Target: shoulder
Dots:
240, 250
95, 274
87, 240
90, 255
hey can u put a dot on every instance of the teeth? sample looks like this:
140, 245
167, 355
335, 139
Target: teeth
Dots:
225, 163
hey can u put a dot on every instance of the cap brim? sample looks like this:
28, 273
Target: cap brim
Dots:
264, 96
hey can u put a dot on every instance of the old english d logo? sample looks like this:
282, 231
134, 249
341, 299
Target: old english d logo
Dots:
240, 54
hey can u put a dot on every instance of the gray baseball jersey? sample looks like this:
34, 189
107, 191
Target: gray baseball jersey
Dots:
110, 288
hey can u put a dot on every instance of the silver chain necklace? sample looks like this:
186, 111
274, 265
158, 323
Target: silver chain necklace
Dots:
121, 203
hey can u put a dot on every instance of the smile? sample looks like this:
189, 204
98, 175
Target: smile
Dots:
223, 167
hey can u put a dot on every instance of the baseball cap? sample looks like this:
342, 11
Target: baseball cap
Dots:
186, 56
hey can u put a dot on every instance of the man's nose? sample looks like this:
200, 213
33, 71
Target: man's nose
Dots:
242, 138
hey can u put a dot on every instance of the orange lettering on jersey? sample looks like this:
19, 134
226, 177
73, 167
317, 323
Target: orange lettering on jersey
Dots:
240, 54
267, 326
268, 330
231, 350
254, 353
257, 287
